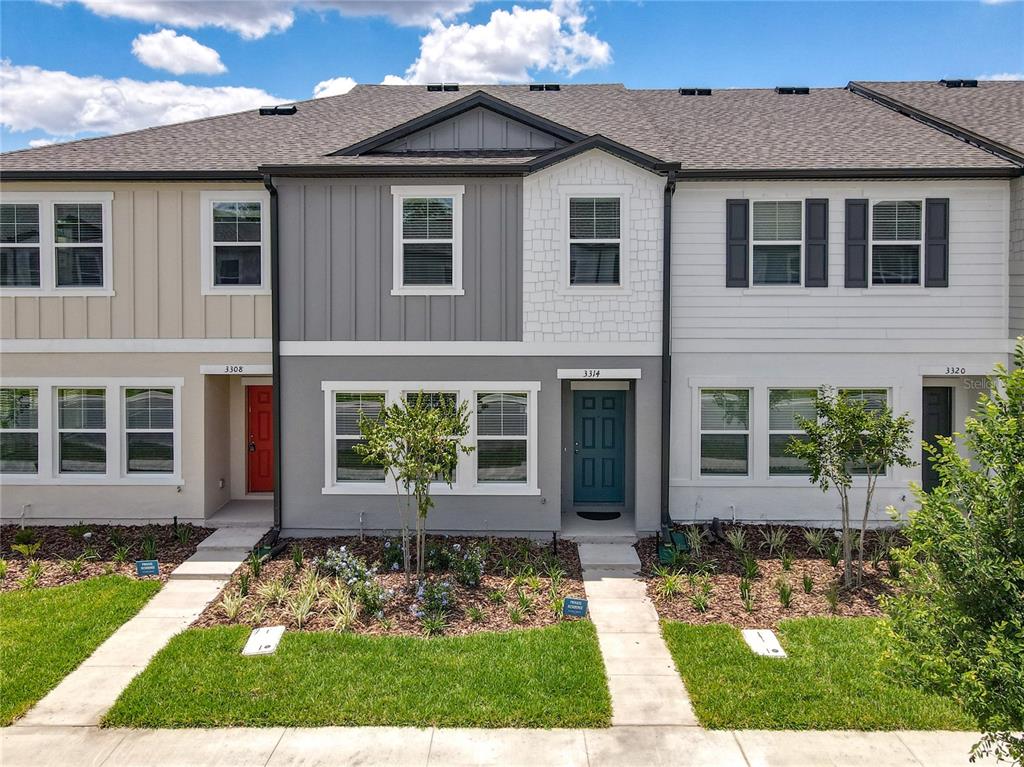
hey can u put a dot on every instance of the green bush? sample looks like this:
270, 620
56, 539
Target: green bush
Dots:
957, 624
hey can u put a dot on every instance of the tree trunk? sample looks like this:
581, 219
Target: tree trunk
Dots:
847, 543
864, 526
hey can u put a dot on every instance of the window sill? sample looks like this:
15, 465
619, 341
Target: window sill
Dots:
241, 290
496, 489
52, 292
896, 290
428, 291
778, 290
594, 290
78, 479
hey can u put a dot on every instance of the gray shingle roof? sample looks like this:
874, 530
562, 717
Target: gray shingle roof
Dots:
994, 109
729, 130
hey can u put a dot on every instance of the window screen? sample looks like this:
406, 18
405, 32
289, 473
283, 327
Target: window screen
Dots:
502, 437
427, 241
724, 431
777, 242
19, 245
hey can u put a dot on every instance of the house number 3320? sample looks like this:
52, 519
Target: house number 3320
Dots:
955, 370
591, 373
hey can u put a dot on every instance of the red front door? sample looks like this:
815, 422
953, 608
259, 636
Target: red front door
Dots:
260, 439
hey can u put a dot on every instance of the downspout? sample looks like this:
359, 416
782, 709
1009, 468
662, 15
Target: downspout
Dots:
275, 346
666, 351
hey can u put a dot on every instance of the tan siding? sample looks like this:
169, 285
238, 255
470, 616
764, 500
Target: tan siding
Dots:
156, 275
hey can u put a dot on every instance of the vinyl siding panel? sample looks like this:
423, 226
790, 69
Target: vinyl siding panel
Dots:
1017, 257
156, 275
974, 306
337, 259
476, 129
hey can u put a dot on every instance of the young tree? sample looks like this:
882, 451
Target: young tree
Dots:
417, 441
847, 436
956, 625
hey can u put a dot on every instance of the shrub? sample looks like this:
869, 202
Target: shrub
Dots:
834, 553
773, 539
3, 569
297, 555
695, 536
787, 560
832, 597
231, 605
73, 566
434, 624
496, 596
350, 568
272, 591
785, 590
815, 540
25, 535
243, 584
300, 605
27, 550
433, 597
394, 558
669, 582
255, 564
751, 569
149, 546
183, 533
475, 614
957, 623
122, 554
700, 602
737, 538
746, 585
468, 566
515, 615
808, 583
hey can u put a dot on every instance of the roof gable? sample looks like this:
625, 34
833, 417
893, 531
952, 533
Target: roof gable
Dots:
468, 115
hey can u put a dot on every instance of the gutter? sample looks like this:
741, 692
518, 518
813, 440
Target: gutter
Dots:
1001, 151
275, 346
827, 174
129, 175
666, 352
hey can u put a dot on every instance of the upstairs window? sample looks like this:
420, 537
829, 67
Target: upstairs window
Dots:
777, 242
428, 233
896, 229
78, 238
55, 243
595, 241
20, 243
235, 241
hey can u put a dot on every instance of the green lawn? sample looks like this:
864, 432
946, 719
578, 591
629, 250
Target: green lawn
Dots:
551, 677
46, 633
831, 680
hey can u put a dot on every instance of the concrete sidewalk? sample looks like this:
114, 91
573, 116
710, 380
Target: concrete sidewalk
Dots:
83, 696
396, 746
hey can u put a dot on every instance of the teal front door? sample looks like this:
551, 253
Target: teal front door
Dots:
599, 446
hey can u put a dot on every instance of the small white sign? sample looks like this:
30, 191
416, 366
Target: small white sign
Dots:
236, 370
263, 641
764, 642
594, 374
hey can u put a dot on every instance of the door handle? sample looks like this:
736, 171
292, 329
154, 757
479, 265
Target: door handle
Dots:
252, 447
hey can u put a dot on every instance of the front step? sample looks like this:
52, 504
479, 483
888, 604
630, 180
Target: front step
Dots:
232, 539
609, 556
626, 539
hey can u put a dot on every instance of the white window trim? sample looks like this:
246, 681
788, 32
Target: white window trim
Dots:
49, 442
623, 193
399, 194
206, 202
757, 457
750, 256
465, 476
175, 430
748, 432
47, 243
908, 286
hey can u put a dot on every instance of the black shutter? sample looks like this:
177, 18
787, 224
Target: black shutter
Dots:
737, 243
856, 243
816, 243
936, 243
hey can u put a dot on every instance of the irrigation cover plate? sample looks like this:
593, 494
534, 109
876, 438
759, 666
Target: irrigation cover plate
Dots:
263, 641
764, 642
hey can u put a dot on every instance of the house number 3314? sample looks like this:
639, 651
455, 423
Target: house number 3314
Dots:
591, 373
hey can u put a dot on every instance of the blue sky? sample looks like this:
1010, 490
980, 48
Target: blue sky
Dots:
69, 68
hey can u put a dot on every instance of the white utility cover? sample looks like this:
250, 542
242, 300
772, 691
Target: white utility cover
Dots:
263, 641
764, 642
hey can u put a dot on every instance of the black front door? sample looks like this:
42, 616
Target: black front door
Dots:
937, 421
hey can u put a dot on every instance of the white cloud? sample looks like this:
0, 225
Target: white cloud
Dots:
393, 80
178, 54
508, 47
66, 105
257, 18
333, 87
37, 142
1003, 76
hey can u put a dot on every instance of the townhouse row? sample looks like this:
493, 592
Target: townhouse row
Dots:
506, 247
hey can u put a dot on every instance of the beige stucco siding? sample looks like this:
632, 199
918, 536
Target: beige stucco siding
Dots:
211, 436
157, 279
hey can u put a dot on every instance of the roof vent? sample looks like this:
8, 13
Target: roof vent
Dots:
959, 83
438, 87
545, 87
792, 90
694, 91
281, 109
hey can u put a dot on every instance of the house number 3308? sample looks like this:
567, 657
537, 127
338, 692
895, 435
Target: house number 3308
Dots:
591, 373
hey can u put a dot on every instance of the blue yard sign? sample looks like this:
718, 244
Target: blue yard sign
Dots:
147, 567
574, 608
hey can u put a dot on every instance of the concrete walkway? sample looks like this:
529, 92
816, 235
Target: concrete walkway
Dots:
396, 746
646, 689
86, 693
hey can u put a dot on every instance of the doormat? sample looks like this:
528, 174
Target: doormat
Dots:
599, 516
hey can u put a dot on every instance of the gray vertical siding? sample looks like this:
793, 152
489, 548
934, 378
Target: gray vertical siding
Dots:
476, 129
336, 265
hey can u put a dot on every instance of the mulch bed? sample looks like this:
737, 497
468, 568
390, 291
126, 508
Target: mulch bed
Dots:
725, 604
91, 549
512, 566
